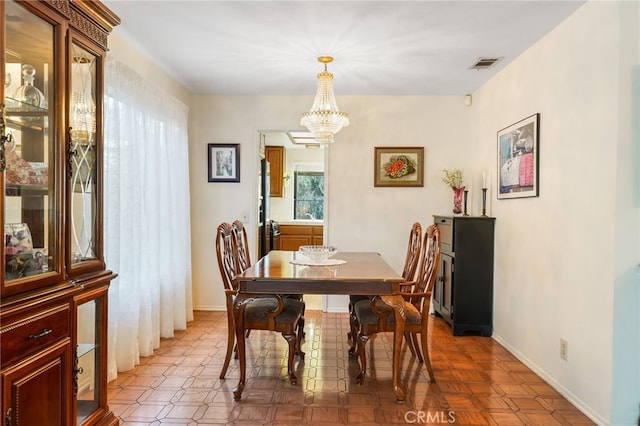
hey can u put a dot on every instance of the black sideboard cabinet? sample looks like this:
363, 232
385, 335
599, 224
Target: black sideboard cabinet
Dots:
463, 292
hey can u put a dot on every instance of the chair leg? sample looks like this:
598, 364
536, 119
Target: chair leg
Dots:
407, 337
299, 297
350, 336
231, 338
299, 337
425, 351
362, 341
291, 339
353, 335
414, 343
303, 335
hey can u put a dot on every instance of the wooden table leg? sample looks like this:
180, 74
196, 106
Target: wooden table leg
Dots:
396, 302
238, 315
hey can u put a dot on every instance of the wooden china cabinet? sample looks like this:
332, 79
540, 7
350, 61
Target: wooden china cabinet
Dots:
54, 282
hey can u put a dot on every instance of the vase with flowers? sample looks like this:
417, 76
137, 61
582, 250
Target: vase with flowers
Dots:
455, 178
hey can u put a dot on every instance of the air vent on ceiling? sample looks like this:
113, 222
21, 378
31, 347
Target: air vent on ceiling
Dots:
484, 63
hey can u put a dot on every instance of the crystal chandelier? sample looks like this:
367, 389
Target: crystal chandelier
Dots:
325, 119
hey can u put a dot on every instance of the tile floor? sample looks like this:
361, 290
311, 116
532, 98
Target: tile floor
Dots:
478, 382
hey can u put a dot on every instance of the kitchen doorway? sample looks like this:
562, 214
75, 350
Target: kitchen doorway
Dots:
291, 196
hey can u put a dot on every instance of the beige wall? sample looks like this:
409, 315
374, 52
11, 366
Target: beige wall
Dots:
555, 253
562, 259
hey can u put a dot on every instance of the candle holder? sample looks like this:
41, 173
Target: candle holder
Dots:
484, 202
466, 192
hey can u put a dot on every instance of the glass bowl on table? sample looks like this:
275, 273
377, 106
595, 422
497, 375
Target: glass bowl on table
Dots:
317, 254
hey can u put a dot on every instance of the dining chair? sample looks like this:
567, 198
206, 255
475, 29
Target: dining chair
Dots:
273, 313
411, 260
375, 316
243, 261
227, 266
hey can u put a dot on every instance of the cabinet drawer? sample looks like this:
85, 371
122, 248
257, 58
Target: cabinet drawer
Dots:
296, 230
445, 224
31, 334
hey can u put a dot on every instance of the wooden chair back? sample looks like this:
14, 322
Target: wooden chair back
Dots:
227, 262
241, 241
413, 252
428, 271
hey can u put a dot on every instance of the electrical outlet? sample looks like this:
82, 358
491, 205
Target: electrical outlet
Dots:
564, 348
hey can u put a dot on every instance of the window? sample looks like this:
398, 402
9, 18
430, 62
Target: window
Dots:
308, 202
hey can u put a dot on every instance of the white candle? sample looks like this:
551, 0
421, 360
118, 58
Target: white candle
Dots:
484, 180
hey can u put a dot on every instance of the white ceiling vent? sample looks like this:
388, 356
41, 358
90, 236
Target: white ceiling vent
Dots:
484, 63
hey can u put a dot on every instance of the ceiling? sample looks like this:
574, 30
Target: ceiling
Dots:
380, 47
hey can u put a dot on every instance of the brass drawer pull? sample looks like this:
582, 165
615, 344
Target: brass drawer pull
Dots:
37, 336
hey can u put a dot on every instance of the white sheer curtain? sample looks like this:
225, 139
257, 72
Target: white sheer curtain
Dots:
147, 224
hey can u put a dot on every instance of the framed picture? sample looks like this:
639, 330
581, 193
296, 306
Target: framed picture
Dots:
224, 162
518, 154
398, 166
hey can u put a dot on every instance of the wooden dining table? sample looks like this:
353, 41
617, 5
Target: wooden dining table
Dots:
285, 272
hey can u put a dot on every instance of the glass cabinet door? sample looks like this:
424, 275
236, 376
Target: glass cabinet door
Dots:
90, 359
28, 149
82, 154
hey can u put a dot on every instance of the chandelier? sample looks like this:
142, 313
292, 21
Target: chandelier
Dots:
325, 119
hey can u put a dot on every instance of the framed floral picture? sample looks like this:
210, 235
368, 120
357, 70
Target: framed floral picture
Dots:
224, 162
518, 159
398, 166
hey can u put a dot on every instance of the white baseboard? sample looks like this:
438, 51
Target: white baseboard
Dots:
334, 310
570, 396
209, 308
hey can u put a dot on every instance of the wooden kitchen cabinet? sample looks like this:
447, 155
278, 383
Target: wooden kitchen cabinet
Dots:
54, 281
294, 236
275, 156
463, 292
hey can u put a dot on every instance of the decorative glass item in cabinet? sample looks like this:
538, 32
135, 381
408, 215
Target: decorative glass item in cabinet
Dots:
28, 94
82, 157
18, 250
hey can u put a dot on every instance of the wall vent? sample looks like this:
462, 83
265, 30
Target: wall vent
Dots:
484, 63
